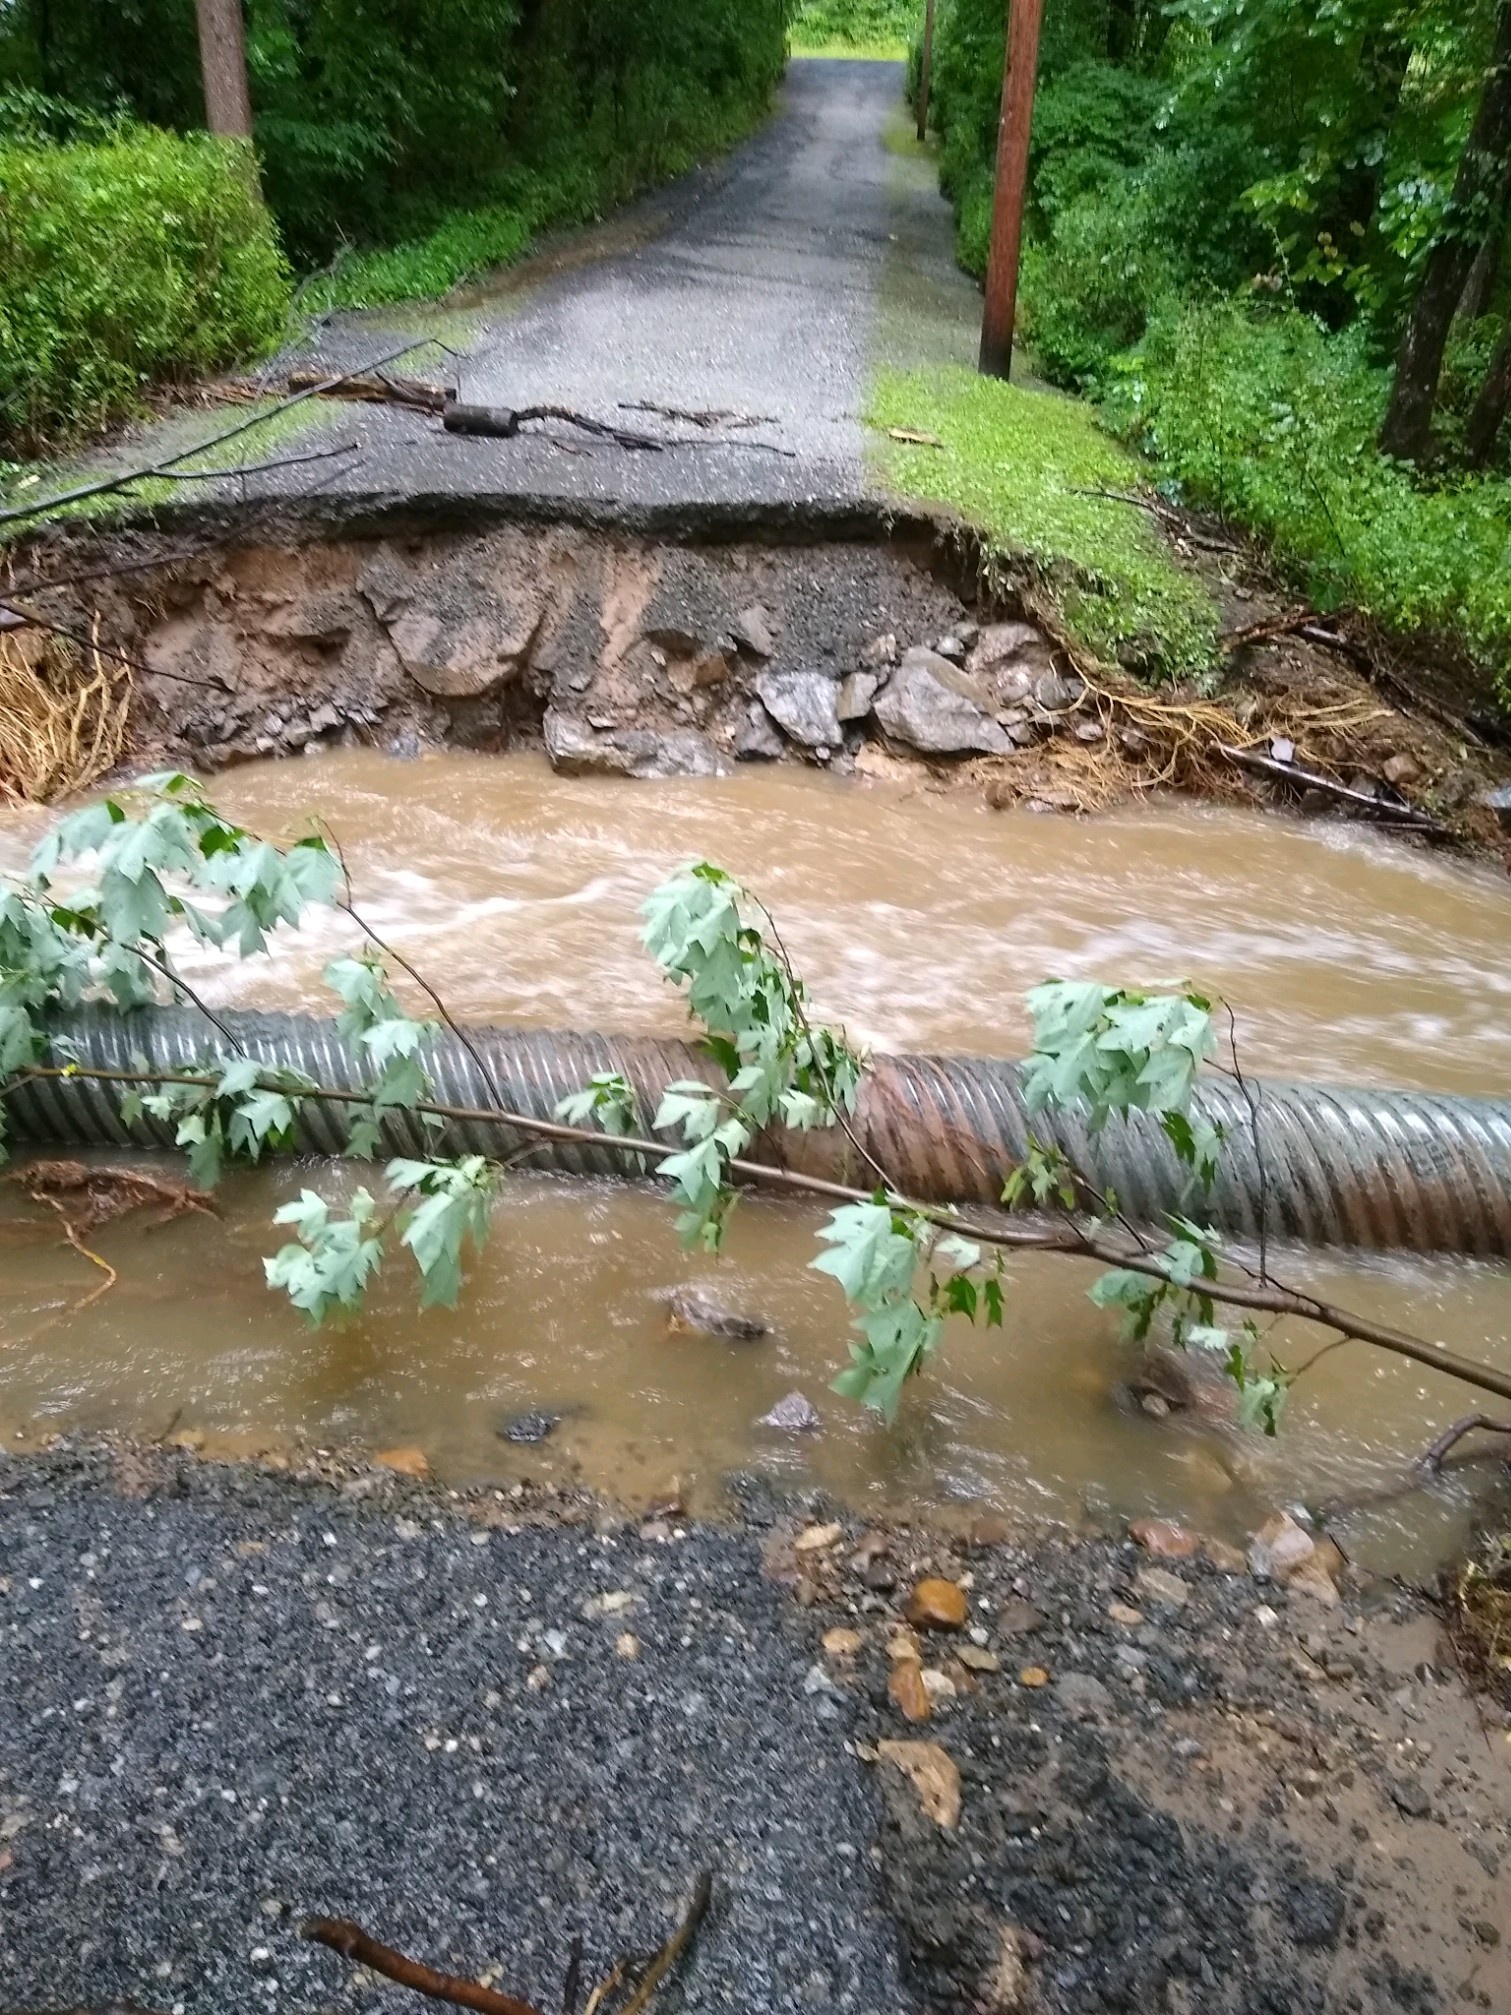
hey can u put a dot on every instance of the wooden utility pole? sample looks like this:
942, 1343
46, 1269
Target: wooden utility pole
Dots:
925, 65
1014, 123
223, 60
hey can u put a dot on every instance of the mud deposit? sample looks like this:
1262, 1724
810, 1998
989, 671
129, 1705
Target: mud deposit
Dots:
483, 1726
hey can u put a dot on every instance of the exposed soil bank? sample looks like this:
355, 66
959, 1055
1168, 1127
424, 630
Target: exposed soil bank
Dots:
675, 648
236, 1696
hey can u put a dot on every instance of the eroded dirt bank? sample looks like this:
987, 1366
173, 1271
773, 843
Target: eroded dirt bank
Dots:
630, 653
483, 1723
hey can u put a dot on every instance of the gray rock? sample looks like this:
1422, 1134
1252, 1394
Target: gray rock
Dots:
752, 631
528, 1428
1083, 1696
999, 642
856, 692
933, 706
756, 739
1314, 1912
951, 648
695, 1305
1499, 802
1056, 694
880, 651
323, 719
803, 703
577, 750
461, 659
1409, 1795
795, 1414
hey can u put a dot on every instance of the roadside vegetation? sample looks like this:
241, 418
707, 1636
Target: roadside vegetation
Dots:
1047, 486
1271, 242
400, 151
880, 29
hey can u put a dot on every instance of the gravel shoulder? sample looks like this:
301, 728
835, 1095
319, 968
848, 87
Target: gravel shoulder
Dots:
481, 1725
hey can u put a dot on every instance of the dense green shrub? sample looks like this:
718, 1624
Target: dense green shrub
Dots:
379, 120
872, 27
140, 257
1271, 419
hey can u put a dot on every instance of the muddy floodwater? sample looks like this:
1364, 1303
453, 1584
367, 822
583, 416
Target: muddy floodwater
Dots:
919, 921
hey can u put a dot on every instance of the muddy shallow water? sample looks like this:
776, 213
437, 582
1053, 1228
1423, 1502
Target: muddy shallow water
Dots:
919, 921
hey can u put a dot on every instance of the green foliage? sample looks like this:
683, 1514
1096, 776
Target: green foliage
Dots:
419, 142
876, 28
752, 1007
1026, 467
124, 261
1270, 419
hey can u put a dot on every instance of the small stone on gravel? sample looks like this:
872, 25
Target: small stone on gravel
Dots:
1160, 1586
936, 1604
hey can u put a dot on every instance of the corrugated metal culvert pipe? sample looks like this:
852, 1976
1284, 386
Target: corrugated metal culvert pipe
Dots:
1424, 1171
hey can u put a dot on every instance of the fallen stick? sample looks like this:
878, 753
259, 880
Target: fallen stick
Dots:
1293, 773
674, 1947
107, 484
700, 416
353, 1943
1431, 1459
503, 423
1068, 1238
375, 389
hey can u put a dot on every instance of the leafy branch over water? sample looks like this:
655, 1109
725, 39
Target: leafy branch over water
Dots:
165, 861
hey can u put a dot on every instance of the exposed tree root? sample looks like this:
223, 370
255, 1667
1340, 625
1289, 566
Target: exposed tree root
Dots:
63, 715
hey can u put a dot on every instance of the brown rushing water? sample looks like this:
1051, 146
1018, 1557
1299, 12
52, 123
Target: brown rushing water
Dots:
920, 921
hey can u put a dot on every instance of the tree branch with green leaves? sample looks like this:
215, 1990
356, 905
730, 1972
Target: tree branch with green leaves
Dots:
163, 861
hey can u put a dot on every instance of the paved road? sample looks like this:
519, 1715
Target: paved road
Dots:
229, 1701
767, 286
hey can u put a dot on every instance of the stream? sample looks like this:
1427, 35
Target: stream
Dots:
919, 921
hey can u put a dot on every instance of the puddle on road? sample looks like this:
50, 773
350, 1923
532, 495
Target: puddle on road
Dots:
919, 921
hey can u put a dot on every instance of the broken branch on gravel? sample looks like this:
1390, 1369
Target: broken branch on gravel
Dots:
668, 1955
1431, 1459
353, 1943
106, 485
1061, 1236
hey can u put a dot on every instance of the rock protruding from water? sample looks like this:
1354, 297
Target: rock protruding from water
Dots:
933, 706
696, 1305
803, 705
578, 750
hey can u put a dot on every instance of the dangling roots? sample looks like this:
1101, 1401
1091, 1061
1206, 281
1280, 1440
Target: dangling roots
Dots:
1149, 742
63, 715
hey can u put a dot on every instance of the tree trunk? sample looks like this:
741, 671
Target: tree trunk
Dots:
1489, 414
223, 60
1467, 222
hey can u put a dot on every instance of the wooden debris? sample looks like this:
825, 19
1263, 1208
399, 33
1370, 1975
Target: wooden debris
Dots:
1385, 810
503, 423
375, 388
668, 1955
353, 1943
92, 1193
912, 438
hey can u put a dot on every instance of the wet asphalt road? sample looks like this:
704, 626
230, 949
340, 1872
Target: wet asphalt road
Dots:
235, 1702
768, 287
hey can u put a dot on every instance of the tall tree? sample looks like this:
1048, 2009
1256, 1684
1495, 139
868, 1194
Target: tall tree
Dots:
1468, 221
223, 58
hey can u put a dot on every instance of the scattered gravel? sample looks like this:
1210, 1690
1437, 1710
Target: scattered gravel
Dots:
243, 1702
